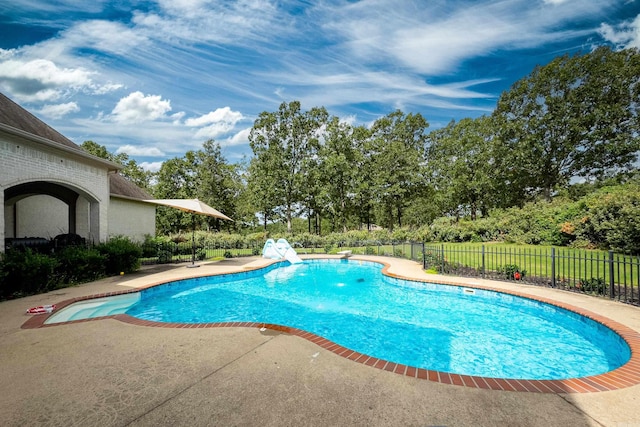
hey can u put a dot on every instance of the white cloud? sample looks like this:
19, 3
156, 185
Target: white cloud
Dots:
41, 79
625, 35
177, 117
60, 110
106, 88
137, 108
430, 39
235, 22
215, 123
239, 138
220, 115
104, 36
151, 166
133, 150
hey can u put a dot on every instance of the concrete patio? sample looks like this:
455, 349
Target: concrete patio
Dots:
110, 373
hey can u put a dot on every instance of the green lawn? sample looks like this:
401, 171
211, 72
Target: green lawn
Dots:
570, 265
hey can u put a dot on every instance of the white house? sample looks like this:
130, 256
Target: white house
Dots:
50, 186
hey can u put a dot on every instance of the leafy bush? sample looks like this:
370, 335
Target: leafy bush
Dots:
369, 250
612, 219
77, 264
26, 272
122, 254
228, 254
595, 285
511, 272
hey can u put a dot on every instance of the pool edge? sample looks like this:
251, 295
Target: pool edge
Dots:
625, 376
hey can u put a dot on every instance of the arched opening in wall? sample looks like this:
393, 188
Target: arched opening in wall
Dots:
42, 209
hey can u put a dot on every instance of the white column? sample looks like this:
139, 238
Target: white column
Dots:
94, 223
82, 218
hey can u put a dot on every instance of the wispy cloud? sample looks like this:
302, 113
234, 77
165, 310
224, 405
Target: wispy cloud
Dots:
136, 150
624, 35
432, 39
160, 78
59, 110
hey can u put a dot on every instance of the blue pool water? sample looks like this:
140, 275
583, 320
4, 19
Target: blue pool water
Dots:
438, 327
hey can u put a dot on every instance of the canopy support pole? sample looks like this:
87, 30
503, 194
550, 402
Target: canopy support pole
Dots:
193, 243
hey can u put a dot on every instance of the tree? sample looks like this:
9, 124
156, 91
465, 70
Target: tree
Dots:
218, 182
364, 170
575, 117
176, 179
280, 142
462, 166
338, 177
397, 148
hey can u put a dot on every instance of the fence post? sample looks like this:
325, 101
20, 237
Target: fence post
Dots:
424, 257
483, 264
612, 293
553, 267
442, 253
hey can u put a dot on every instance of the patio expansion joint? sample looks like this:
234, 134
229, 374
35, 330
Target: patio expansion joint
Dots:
199, 381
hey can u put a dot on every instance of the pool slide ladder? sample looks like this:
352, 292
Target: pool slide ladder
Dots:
279, 250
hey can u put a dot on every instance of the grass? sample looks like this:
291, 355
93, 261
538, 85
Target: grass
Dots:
571, 265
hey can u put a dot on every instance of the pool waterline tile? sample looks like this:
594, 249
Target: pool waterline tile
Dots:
625, 376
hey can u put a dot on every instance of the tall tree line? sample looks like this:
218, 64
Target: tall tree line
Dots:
574, 119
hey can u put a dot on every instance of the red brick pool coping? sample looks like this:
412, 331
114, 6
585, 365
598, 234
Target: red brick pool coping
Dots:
625, 376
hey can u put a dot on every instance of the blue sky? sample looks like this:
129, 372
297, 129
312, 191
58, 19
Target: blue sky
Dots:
157, 78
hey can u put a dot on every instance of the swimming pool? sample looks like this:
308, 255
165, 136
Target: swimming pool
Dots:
436, 327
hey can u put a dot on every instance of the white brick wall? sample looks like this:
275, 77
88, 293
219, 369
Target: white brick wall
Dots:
23, 161
131, 218
29, 213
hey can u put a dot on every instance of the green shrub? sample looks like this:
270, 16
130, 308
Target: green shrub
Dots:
201, 254
228, 254
612, 219
369, 250
509, 272
78, 264
595, 285
26, 272
122, 254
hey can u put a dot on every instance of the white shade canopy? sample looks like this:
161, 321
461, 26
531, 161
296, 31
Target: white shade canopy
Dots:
191, 205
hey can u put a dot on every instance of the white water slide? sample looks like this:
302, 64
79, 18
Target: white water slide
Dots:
279, 250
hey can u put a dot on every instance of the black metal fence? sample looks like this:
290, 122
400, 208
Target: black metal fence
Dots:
595, 272
601, 273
